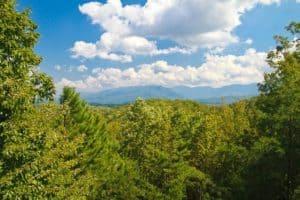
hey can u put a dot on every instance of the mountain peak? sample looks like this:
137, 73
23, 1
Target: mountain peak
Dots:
203, 94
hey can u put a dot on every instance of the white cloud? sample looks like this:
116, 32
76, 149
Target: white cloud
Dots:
249, 41
192, 24
125, 45
57, 67
79, 68
82, 68
216, 50
216, 71
90, 50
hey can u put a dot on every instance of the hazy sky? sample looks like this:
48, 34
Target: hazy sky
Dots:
94, 45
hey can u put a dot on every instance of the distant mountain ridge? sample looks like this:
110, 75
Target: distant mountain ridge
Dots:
209, 92
208, 95
129, 94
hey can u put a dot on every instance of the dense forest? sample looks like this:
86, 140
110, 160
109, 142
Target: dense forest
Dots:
154, 149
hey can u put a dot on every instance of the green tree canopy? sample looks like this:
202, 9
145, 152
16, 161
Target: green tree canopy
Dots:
280, 103
21, 82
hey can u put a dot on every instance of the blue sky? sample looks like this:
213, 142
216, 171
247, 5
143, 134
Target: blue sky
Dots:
106, 44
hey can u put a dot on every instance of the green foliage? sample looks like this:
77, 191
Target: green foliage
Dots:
280, 103
156, 149
20, 81
265, 170
39, 158
110, 176
159, 149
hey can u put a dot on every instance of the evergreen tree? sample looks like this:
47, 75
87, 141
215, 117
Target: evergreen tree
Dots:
110, 176
156, 149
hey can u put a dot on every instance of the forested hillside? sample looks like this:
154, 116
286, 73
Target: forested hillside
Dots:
153, 149
125, 95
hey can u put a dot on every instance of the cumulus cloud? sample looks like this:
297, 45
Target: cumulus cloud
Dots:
57, 67
82, 68
79, 68
249, 41
125, 45
216, 50
216, 71
90, 50
192, 24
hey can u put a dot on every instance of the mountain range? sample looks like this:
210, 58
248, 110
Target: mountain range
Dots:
207, 95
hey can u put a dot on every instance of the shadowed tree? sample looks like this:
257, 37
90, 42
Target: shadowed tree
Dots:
279, 100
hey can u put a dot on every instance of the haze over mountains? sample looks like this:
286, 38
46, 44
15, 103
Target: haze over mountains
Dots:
202, 94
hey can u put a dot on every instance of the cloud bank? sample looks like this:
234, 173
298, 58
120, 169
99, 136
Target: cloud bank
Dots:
216, 71
191, 24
